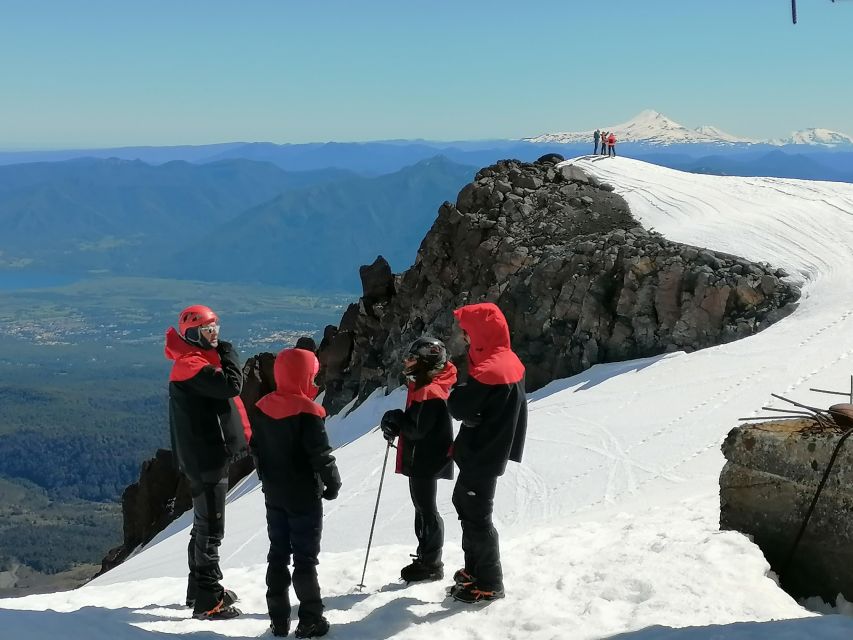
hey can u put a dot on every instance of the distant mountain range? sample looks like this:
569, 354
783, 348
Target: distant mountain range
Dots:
231, 220
364, 158
648, 133
224, 217
114, 215
653, 128
317, 237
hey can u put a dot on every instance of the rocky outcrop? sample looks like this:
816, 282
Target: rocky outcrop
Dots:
766, 487
159, 496
580, 281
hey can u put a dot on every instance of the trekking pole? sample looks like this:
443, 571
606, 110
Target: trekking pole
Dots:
360, 585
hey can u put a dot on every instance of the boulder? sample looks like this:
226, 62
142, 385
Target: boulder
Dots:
771, 474
377, 280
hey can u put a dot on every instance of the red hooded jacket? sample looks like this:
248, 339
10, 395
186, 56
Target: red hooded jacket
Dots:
490, 358
292, 452
207, 420
492, 404
426, 431
294, 393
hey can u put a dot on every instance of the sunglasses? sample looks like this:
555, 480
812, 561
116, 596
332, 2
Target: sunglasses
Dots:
209, 328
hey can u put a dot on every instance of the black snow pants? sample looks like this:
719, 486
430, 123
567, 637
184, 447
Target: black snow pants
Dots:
474, 499
429, 527
203, 586
296, 534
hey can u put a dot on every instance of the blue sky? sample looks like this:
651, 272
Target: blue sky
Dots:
159, 72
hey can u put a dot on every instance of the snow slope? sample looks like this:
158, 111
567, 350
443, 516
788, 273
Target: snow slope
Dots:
609, 527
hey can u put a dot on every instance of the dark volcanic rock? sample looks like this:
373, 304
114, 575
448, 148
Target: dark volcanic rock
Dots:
377, 281
766, 487
580, 281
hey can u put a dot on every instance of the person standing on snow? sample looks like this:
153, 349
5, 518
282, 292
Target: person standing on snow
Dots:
595, 136
492, 406
296, 468
209, 428
425, 435
611, 145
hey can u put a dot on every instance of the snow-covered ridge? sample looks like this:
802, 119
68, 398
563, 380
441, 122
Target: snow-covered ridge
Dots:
609, 526
816, 136
652, 127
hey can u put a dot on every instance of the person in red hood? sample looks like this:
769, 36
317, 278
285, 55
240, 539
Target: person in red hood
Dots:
209, 428
611, 145
296, 468
492, 406
425, 433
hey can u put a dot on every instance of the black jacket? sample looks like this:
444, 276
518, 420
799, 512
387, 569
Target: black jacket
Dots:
294, 460
426, 434
494, 423
205, 424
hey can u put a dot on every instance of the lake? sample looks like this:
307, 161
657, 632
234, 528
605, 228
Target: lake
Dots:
16, 280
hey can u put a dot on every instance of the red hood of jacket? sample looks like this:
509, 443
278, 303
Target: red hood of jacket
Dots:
188, 359
438, 387
490, 357
294, 381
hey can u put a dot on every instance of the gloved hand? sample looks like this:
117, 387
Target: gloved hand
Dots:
390, 424
238, 455
331, 493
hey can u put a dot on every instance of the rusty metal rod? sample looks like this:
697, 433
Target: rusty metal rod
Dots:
810, 417
797, 404
835, 393
803, 413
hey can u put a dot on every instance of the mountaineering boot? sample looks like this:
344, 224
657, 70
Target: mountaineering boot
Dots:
220, 612
462, 577
313, 628
420, 571
280, 629
471, 593
228, 597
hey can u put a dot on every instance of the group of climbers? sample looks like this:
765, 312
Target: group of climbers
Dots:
608, 143
297, 470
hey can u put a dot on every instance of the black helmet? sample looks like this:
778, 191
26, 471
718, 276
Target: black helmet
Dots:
425, 355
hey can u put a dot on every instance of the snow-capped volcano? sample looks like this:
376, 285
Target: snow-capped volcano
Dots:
824, 137
652, 127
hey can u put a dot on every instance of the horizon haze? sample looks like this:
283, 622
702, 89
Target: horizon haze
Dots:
107, 75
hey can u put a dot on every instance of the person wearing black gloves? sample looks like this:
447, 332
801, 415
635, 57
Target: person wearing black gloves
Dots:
492, 406
296, 468
209, 429
424, 434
